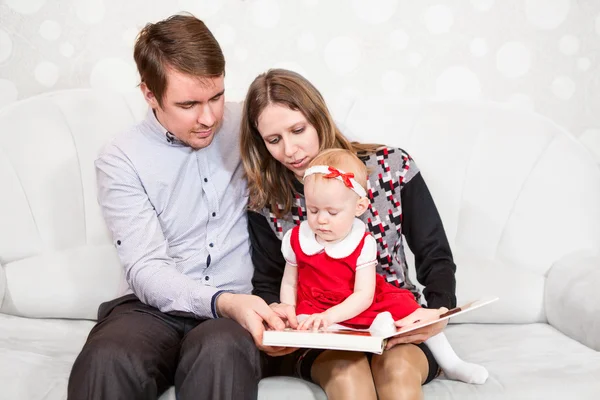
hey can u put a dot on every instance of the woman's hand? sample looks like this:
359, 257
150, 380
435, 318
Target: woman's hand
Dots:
287, 313
422, 334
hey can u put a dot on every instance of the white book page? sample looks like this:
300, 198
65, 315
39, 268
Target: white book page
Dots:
473, 305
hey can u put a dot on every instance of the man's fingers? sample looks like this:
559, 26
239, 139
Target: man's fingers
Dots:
270, 317
291, 317
271, 349
256, 328
278, 352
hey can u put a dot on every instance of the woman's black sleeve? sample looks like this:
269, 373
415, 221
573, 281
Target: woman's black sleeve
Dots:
425, 235
266, 255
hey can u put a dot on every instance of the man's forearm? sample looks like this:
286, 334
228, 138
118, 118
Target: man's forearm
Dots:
169, 290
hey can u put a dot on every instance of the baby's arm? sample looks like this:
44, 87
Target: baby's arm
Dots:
287, 291
359, 300
287, 294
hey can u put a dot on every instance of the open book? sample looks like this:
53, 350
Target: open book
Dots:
338, 337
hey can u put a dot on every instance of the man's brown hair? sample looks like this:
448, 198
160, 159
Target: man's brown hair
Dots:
181, 42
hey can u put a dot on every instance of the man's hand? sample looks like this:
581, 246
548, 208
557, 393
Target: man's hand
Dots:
422, 334
253, 314
287, 313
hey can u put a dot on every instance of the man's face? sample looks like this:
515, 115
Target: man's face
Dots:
192, 107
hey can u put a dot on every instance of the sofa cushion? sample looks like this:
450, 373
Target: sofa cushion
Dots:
571, 298
525, 361
36, 356
274, 388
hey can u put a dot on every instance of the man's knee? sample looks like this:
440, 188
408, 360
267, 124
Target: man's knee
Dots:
220, 338
98, 356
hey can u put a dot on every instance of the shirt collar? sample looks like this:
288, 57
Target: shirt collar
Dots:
159, 131
337, 250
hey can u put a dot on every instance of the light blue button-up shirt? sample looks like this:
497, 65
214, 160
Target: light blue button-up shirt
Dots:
178, 215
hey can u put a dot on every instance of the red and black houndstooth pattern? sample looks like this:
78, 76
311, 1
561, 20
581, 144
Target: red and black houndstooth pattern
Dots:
389, 170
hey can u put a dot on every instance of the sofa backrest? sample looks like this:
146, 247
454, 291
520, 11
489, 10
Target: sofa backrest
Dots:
516, 193
54, 247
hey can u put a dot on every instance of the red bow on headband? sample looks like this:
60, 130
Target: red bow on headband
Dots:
334, 173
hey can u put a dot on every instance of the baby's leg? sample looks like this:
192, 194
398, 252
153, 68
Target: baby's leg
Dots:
452, 365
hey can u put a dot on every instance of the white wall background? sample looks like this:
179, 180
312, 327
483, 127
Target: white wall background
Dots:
543, 55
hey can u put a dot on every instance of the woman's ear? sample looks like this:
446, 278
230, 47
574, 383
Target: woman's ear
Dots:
149, 96
361, 206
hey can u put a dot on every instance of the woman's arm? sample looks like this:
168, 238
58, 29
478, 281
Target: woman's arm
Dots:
267, 258
425, 235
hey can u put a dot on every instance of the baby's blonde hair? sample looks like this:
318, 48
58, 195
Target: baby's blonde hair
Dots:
344, 160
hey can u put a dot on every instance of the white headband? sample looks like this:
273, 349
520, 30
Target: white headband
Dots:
331, 172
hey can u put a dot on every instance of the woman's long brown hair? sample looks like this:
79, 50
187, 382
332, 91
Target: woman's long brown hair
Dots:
270, 183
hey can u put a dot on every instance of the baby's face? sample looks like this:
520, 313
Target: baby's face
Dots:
331, 208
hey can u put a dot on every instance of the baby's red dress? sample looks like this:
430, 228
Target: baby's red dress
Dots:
326, 275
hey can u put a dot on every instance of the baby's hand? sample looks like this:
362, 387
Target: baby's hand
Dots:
316, 322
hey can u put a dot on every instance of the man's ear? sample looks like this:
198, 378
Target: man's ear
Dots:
361, 206
149, 96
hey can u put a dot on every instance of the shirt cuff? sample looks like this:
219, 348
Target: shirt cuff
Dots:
213, 303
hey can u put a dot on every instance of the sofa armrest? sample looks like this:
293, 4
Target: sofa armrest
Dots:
571, 298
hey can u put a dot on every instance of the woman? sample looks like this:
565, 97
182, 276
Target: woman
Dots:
285, 124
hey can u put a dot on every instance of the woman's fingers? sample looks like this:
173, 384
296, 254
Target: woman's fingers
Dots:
414, 339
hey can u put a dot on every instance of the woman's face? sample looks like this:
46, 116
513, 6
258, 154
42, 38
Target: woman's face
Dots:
289, 137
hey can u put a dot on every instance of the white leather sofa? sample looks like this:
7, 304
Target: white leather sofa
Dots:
519, 196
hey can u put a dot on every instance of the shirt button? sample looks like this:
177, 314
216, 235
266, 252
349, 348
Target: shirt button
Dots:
206, 278
205, 179
212, 245
214, 214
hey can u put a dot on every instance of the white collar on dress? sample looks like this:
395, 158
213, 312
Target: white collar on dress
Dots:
341, 249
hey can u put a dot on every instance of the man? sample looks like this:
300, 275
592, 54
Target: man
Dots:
174, 198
